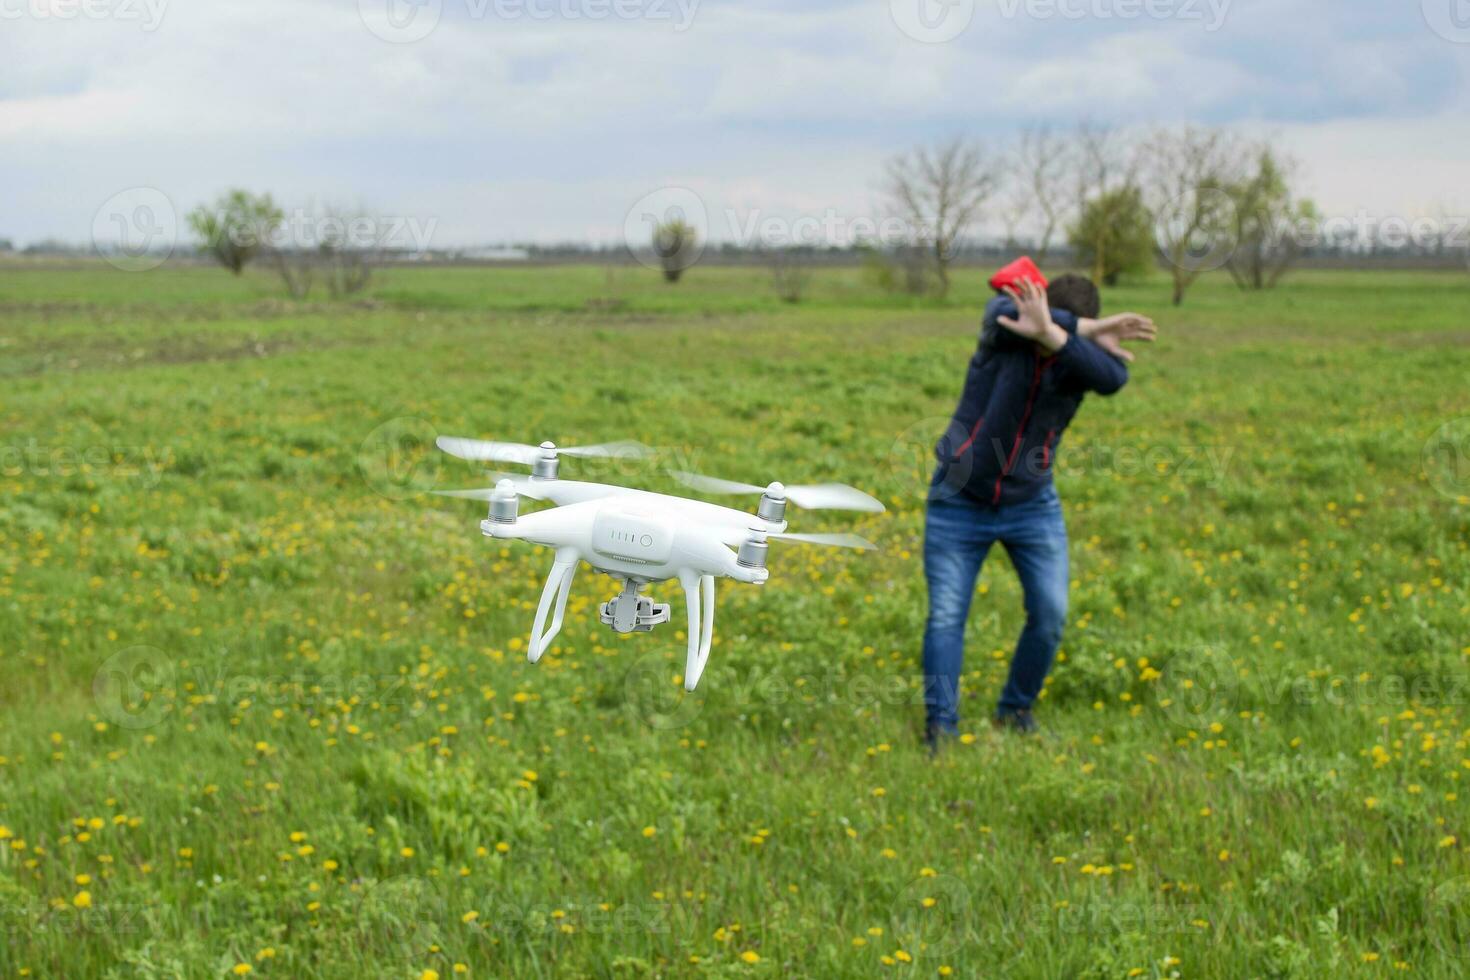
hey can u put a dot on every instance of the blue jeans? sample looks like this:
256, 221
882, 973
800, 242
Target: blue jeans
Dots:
958, 533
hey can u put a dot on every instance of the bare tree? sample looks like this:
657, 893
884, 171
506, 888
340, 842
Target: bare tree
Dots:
1014, 210
1100, 163
337, 247
790, 274
297, 270
939, 192
1044, 168
1187, 186
349, 245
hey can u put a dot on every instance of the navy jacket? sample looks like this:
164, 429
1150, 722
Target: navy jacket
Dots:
1017, 402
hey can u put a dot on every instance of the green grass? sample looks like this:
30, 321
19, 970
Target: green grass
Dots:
271, 699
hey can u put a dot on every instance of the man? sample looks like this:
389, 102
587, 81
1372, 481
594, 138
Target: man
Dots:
1041, 350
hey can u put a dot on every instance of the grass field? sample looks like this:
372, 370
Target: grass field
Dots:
266, 708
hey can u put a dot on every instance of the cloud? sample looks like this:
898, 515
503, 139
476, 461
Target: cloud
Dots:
549, 128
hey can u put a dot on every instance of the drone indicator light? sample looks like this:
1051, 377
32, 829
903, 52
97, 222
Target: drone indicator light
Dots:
632, 537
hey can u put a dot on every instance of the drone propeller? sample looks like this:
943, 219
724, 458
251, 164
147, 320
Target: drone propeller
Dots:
828, 540
820, 496
521, 485
535, 487
515, 452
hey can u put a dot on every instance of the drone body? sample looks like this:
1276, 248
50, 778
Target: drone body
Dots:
641, 537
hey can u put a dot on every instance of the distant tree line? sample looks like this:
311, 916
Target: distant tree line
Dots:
1198, 198
1115, 201
1335, 249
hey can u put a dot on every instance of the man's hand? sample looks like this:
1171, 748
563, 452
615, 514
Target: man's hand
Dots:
1110, 333
1033, 320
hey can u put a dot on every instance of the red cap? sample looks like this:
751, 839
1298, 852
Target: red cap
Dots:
1016, 273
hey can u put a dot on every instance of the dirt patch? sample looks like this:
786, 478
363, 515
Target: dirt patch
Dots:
55, 356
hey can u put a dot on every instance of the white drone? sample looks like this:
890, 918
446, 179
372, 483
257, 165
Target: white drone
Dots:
641, 537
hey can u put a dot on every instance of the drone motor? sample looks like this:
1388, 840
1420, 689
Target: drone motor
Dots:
753, 549
546, 465
504, 503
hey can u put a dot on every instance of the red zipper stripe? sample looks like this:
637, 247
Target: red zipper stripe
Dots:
975, 431
1020, 432
1046, 449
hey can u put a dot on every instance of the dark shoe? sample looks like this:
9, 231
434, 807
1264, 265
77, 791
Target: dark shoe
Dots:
937, 737
1020, 722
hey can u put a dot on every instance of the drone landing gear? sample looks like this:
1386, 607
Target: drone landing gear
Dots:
558, 586
629, 612
701, 622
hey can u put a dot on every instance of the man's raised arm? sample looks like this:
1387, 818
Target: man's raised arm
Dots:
1084, 361
994, 334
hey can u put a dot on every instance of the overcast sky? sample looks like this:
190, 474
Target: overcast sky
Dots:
496, 120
